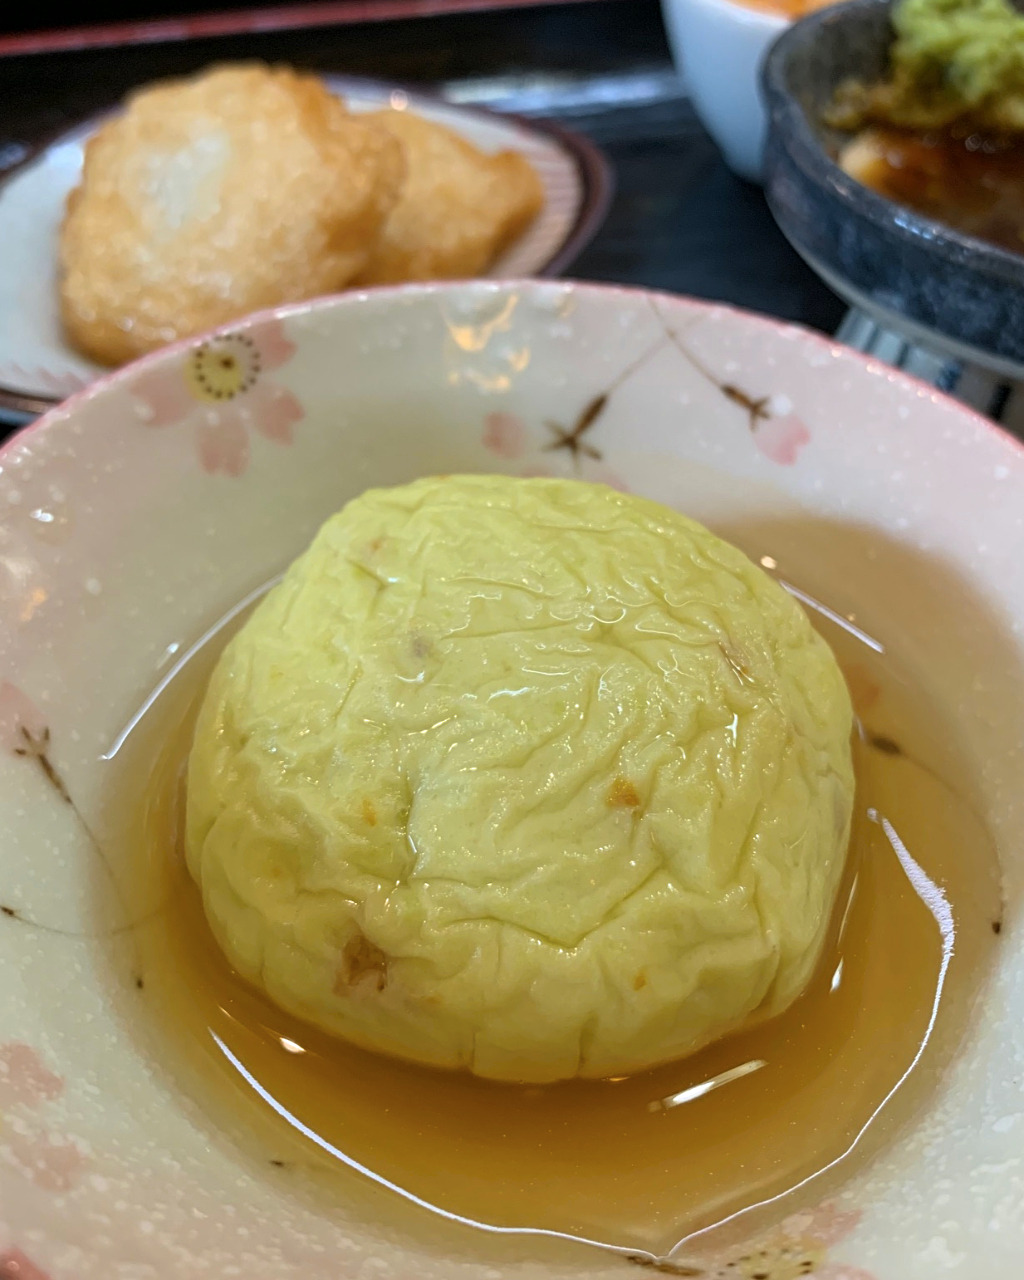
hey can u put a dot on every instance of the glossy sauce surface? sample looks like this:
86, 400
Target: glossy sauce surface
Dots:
788, 1107
972, 184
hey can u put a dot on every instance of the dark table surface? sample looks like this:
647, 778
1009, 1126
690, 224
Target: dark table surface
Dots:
679, 221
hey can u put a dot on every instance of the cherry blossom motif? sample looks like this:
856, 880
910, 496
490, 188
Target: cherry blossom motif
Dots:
220, 387
14, 1265
27, 1084
24, 732
826, 1225
19, 716
782, 438
506, 435
51, 1163
25, 1080
796, 1249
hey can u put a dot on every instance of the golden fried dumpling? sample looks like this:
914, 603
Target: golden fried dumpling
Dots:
527, 777
243, 187
458, 209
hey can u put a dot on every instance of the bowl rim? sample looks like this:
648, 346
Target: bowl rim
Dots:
747, 14
386, 293
790, 129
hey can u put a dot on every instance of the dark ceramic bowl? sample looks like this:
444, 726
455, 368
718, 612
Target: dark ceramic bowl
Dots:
940, 288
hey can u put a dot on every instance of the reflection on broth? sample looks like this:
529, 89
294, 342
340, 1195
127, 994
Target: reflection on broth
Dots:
972, 183
779, 1112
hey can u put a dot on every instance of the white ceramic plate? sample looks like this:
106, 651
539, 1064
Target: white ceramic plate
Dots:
136, 514
37, 366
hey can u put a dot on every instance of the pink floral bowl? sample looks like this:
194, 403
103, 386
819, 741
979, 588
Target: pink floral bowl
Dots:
141, 511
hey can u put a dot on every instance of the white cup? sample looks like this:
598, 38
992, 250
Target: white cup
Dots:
719, 47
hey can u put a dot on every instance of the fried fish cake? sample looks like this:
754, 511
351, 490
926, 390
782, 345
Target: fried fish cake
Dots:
458, 209
243, 187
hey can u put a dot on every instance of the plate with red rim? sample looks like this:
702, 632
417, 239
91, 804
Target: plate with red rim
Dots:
39, 368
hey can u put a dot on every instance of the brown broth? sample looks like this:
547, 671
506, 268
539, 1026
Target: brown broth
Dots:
783, 1110
974, 185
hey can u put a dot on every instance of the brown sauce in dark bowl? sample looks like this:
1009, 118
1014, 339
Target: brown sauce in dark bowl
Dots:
970, 182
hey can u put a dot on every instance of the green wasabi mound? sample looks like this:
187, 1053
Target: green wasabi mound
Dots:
953, 62
525, 777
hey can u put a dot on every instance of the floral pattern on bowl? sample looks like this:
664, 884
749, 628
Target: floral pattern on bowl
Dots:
26, 1086
219, 386
798, 1248
777, 432
133, 522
